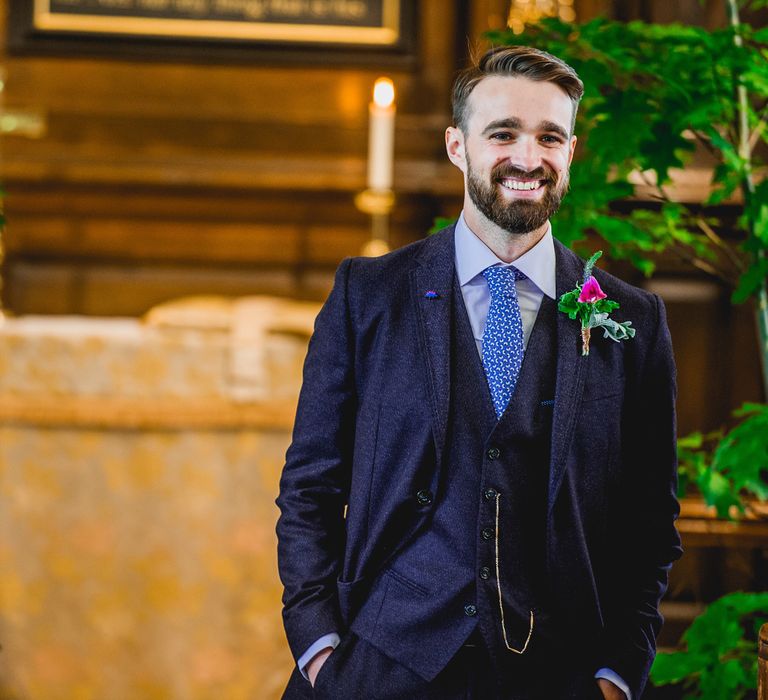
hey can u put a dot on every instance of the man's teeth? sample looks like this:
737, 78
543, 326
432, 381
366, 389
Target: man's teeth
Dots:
517, 185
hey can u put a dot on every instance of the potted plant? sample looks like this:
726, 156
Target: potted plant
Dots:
720, 655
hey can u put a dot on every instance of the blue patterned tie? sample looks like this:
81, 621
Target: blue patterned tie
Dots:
503, 336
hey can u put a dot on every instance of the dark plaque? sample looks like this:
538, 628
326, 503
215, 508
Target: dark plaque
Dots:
385, 26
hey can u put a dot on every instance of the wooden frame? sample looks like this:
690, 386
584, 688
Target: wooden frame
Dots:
382, 31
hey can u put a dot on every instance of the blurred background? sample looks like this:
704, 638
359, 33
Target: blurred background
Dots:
181, 179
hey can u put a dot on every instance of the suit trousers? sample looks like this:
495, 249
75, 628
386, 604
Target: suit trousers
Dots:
357, 670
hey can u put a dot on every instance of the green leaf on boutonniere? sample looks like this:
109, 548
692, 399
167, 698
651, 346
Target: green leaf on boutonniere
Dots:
569, 303
613, 329
590, 264
605, 306
588, 303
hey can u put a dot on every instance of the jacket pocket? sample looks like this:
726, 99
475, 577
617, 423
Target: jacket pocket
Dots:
408, 583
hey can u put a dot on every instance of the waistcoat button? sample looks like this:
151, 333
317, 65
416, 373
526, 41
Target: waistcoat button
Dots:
424, 497
470, 610
493, 453
486, 533
490, 494
485, 573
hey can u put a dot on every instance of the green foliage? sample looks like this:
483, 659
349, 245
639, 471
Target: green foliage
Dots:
590, 264
569, 303
612, 329
751, 280
720, 658
742, 455
653, 94
594, 314
440, 223
726, 468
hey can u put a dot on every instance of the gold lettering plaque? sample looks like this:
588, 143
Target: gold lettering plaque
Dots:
349, 22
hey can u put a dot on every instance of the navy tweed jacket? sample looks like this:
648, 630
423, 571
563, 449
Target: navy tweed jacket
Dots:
611, 535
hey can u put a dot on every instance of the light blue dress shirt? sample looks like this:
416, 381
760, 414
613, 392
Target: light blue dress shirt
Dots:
472, 257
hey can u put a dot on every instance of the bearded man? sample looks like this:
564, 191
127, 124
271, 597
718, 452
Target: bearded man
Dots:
471, 507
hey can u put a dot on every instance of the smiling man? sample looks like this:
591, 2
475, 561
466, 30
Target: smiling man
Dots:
470, 508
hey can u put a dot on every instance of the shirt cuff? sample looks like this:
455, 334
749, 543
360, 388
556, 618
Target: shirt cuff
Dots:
327, 640
616, 679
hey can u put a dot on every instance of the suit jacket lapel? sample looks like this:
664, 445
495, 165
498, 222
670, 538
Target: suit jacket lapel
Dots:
571, 370
434, 274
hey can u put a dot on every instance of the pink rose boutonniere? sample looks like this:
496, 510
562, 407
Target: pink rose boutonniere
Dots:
591, 305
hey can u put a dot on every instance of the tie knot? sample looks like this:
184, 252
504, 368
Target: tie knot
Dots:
502, 279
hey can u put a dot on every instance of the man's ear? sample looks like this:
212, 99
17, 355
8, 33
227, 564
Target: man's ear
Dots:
454, 146
572, 150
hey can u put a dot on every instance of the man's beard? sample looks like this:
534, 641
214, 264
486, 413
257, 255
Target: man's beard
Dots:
520, 215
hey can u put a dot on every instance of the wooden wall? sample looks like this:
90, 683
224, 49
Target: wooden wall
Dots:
156, 178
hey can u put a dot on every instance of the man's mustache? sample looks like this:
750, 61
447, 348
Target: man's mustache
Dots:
502, 172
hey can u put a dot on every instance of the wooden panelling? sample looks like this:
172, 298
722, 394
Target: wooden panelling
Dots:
155, 178
715, 347
133, 239
120, 289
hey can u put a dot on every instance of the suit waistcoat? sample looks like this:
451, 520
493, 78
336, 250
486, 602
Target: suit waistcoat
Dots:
430, 598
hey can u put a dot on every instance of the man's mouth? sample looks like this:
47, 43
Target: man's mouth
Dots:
521, 185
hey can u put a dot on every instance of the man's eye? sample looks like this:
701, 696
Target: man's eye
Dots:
551, 139
501, 136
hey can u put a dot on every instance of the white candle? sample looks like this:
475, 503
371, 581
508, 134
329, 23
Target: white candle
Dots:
381, 135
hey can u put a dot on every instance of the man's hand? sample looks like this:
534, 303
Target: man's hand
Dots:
610, 691
314, 666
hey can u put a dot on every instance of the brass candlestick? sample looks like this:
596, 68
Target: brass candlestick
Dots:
378, 204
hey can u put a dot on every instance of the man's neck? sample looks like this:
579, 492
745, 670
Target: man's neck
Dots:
506, 246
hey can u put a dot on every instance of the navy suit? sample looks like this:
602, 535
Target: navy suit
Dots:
367, 483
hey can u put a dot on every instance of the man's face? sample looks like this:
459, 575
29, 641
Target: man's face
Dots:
515, 151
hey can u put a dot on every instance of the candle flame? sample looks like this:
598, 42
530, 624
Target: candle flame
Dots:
383, 92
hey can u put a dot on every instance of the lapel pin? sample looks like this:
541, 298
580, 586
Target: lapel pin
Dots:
431, 294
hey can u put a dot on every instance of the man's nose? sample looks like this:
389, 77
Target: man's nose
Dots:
525, 155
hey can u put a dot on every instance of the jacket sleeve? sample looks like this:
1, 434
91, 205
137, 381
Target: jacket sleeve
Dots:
643, 538
315, 480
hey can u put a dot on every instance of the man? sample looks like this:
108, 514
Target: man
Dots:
470, 507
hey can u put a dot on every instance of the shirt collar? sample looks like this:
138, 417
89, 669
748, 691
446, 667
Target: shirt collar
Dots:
473, 256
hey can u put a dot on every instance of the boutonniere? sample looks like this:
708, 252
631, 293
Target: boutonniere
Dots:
591, 306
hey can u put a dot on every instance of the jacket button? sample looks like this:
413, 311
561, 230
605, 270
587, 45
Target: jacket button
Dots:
487, 533
493, 453
490, 494
470, 610
424, 497
485, 573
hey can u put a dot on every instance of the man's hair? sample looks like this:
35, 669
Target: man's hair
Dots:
515, 61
